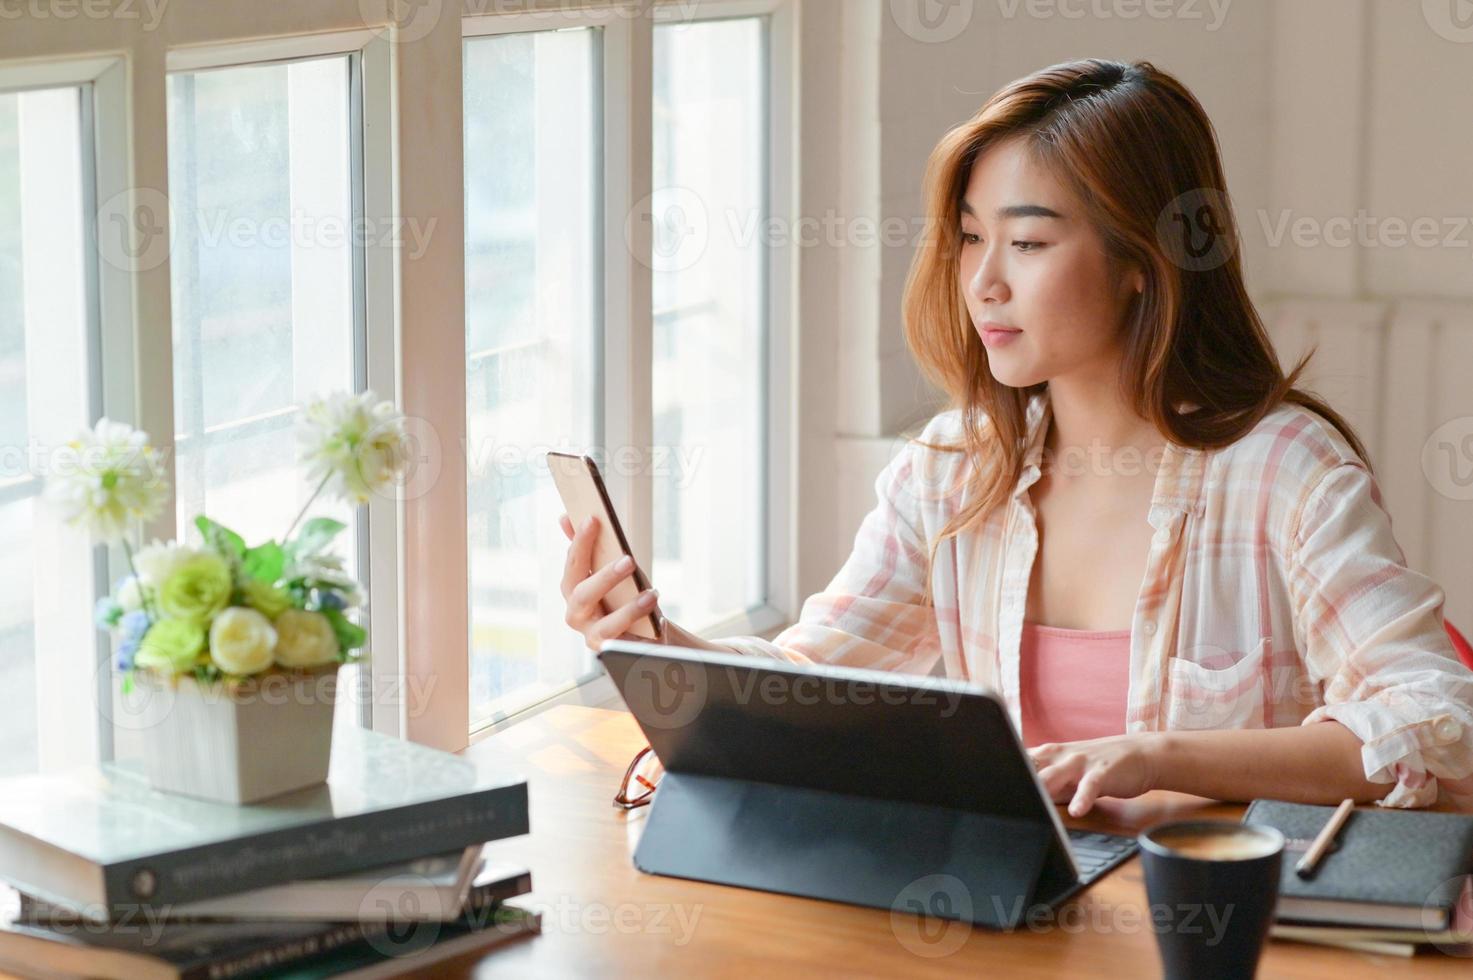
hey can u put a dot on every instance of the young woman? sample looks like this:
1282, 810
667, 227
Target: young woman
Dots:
1173, 564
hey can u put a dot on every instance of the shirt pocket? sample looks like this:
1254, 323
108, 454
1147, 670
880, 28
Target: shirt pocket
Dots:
1211, 688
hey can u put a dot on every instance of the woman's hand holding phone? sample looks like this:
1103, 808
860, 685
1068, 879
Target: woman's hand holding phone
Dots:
584, 589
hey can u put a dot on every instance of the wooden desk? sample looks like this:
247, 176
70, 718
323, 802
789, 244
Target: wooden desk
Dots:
603, 918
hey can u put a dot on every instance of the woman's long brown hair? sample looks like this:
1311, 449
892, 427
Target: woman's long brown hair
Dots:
1133, 145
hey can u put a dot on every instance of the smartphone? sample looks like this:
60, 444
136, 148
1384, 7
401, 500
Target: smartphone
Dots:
584, 495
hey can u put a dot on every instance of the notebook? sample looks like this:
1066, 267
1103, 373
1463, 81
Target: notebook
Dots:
1390, 868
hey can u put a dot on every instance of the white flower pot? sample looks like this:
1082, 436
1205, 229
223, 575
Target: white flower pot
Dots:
268, 736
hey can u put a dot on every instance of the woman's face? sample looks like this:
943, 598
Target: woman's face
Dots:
1031, 261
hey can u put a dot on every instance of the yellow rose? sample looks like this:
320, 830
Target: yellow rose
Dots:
305, 639
242, 641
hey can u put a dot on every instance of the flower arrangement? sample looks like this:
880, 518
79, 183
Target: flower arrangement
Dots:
227, 611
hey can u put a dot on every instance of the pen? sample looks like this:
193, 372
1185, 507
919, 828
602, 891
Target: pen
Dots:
1321, 843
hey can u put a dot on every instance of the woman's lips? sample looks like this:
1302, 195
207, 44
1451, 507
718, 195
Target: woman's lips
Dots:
995, 334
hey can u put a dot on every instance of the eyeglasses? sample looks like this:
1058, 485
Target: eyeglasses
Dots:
642, 776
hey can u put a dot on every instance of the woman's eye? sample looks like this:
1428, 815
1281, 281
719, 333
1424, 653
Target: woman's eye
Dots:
1023, 246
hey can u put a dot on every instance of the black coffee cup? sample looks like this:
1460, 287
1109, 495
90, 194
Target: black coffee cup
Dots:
1212, 886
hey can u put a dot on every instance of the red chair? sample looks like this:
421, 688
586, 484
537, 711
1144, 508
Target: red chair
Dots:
1460, 644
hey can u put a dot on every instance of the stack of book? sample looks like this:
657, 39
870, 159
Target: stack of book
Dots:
1396, 881
377, 871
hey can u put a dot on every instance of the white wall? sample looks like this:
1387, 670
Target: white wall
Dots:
1323, 109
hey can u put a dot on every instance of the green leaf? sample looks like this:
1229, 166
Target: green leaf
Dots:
265, 562
349, 634
207, 673
221, 538
315, 535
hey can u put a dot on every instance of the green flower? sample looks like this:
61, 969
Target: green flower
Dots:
266, 599
197, 589
171, 645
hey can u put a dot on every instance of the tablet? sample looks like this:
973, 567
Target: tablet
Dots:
847, 784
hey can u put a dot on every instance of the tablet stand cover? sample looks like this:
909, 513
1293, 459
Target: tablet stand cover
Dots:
842, 847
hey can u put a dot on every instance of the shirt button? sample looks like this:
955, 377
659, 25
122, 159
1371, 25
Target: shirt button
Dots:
1449, 730
1149, 626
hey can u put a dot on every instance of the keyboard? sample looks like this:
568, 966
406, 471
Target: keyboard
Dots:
1097, 854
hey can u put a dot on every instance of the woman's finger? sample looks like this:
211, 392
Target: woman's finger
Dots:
567, 527
620, 620
596, 586
1059, 777
580, 558
1052, 778
1087, 792
1042, 755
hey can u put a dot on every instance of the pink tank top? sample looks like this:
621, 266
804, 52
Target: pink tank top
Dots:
1072, 683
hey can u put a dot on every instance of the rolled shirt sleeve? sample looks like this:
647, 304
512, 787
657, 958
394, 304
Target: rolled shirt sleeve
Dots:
871, 613
1373, 635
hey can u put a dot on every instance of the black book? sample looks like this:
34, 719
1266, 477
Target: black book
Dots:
71, 947
1391, 868
100, 840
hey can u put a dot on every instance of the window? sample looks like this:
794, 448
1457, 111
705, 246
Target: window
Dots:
533, 359
307, 189
263, 275
545, 359
46, 323
710, 319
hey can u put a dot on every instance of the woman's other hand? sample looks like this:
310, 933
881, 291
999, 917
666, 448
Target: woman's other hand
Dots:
1081, 772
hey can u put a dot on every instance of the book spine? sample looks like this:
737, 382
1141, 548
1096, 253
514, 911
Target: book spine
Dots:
378, 939
484, 900
284, 953
327, 848
478, 901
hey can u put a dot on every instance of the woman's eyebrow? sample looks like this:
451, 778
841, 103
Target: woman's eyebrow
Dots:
1017, 211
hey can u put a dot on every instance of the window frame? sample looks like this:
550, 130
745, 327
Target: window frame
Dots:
628, 68
780, 282
375, 323
70, 724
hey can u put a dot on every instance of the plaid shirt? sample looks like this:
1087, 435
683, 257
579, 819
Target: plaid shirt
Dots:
1274, 595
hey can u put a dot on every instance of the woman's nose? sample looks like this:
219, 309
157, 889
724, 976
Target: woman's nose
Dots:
987, 282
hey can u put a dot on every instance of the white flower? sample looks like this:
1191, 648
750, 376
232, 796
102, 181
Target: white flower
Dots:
159, 560
351, 594
357, 446
319, 566
304, 639
326, 571
242, 641
107, 479
130, 595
